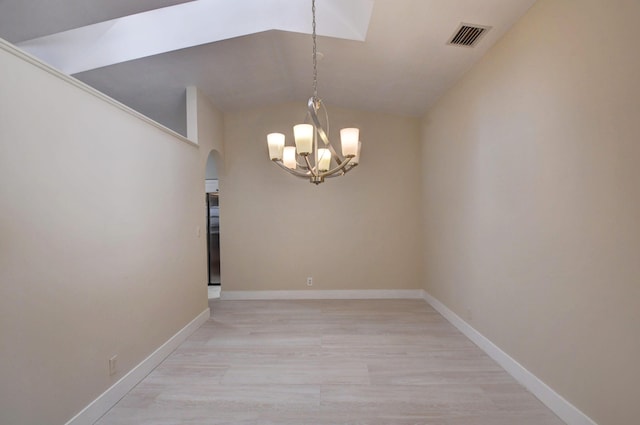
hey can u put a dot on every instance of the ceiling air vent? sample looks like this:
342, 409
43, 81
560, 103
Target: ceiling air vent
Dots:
467, 35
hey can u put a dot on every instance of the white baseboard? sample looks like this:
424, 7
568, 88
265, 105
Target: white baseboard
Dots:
554, 401
324, 295
110, 397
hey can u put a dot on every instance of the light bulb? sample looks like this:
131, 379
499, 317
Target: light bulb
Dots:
303, 134
289, 157
349, 138
276, 145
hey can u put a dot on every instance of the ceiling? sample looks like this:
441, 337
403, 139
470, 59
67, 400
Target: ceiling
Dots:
402, 67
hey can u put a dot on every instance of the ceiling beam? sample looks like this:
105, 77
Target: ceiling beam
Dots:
192, 24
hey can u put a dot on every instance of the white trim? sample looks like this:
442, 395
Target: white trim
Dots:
10, 48
357, 294
213, 291
554, 401
192, 113
211, 186
110, 397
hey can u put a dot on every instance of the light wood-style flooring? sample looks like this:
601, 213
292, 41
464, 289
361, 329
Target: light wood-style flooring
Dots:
329, 362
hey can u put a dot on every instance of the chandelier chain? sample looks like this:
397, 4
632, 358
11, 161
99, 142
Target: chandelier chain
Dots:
315, 61
319, 162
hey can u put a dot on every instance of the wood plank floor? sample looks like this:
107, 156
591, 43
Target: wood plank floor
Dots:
364, 362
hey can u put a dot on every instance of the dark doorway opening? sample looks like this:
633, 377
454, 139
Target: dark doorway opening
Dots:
213, 238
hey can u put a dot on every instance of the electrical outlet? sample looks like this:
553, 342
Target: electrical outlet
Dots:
309, 281
113, 365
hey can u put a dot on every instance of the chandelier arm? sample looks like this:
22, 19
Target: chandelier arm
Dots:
303, 166
290, 171
351, 167
327, 130
323, 135
345, 170
312, 170
340, 167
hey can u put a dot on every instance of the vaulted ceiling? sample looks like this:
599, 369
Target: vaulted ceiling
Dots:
401, 67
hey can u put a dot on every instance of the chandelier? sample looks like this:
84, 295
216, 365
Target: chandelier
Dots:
313, 157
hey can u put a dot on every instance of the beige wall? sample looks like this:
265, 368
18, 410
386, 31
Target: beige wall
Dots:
531, 201
99, 252
359, 231
210, 123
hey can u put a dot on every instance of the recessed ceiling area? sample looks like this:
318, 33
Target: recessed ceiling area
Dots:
401, 66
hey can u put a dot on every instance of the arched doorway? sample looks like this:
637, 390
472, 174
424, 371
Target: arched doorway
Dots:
212, 190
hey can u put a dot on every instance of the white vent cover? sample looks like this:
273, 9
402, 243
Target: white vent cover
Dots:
467, 35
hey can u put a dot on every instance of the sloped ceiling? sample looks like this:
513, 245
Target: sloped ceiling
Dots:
402, 67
